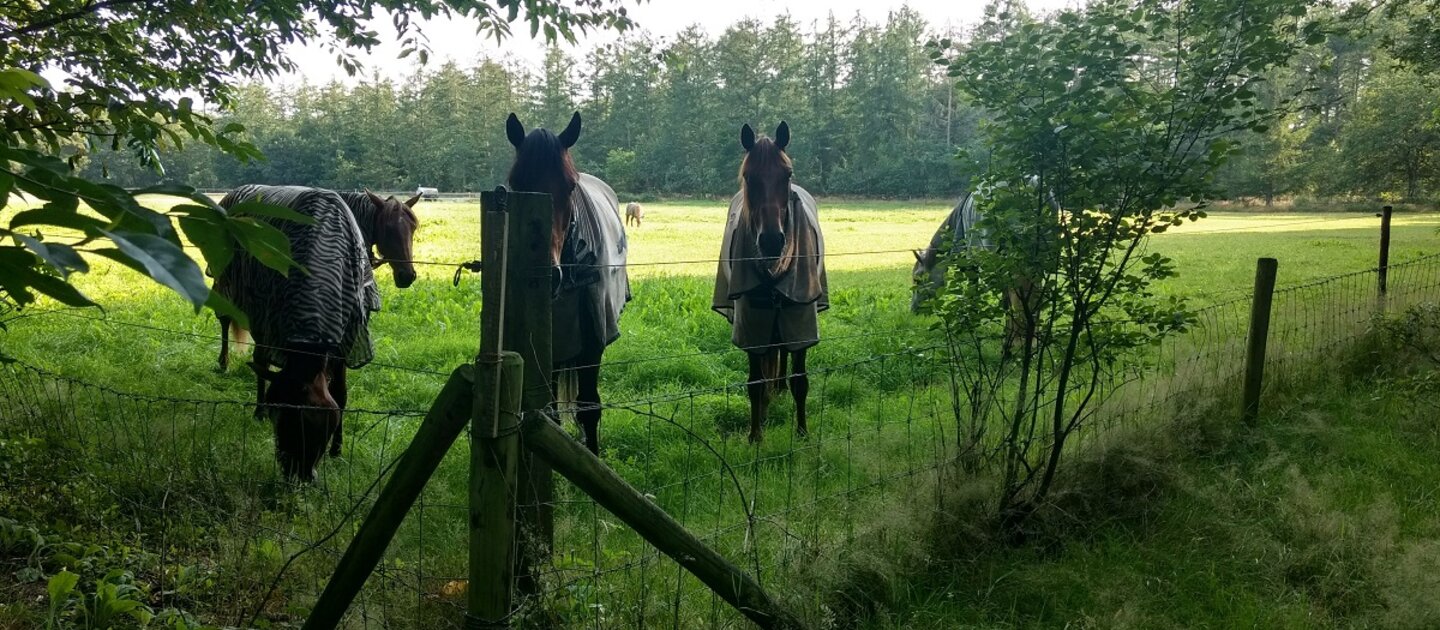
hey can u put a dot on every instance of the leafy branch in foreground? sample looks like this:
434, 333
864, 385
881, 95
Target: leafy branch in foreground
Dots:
1106, 126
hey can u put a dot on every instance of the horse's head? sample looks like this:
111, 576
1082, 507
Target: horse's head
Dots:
765, 181
927, 274
543, 165
394, 234
305, 416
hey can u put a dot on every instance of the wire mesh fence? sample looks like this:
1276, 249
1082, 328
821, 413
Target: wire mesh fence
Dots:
191, 490
192, 485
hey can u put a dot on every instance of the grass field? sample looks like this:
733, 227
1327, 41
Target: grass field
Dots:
433, 326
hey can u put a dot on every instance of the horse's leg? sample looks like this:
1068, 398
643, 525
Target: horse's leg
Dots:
261, 368
340, 392
799, 388
224, 343
588, 398
782, 359
759, 394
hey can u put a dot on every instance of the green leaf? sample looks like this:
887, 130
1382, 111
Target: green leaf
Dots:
222, 306
260, 209
268, 245
19, 275
56, 216
166, 263
213, 240
61, 585
60, 257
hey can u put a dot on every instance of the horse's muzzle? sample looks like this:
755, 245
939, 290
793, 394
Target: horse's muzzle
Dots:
404, 278
771, 244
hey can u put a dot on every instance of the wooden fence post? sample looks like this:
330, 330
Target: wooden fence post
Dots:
442, 424
494, 461
525, 328
1259, 333
1384, 252
608, 489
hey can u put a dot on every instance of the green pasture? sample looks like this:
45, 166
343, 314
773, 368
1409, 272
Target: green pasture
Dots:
879, 412
434, 325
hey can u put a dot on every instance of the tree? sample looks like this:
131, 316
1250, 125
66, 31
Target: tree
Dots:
1393, 143
127, 63
1105, 125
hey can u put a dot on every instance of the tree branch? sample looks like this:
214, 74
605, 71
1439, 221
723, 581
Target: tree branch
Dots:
55, 20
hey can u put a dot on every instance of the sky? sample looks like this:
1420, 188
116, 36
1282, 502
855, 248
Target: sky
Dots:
455, 40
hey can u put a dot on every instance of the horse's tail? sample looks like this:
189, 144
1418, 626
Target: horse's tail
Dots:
238, 332
771, 369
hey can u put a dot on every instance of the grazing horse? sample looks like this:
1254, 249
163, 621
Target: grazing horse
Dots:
771, 283
314, 324
960, 232
588, 246
633, 212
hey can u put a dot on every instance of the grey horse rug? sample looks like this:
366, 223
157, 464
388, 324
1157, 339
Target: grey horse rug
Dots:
772, 303
593, 285
327, 309
959, 232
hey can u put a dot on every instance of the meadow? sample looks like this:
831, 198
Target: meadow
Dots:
671, 382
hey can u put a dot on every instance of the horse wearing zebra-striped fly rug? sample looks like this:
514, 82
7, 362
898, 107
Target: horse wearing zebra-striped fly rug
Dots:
588, 247
313, 324
770, 282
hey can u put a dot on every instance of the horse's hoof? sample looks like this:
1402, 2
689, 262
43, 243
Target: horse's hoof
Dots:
755, 438
335, 452
802, 432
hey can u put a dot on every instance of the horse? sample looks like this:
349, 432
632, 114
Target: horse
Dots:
588, 246
314, 324
959, 232
770, 282
634, 212
387, 225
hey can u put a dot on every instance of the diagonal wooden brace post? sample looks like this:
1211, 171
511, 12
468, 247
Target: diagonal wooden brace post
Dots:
449, 415
550, 443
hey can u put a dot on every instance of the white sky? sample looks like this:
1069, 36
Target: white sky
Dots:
455, 40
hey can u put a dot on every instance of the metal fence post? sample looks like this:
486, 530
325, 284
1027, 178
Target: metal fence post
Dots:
1259, 333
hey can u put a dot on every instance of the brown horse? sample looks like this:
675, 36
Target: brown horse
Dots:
588, 246
633, 212
387, 225
314, 323
771, 280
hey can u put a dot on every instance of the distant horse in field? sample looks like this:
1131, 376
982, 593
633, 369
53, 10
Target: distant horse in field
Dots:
314, 324
633, 212
771, 283
588, 245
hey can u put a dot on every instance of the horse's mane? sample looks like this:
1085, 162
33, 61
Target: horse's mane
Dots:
543, 165
764, 156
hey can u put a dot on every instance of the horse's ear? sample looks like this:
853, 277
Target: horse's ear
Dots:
514, 130
747, 137
410, 203
375, 199
782, 135
918, 256
572, 132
